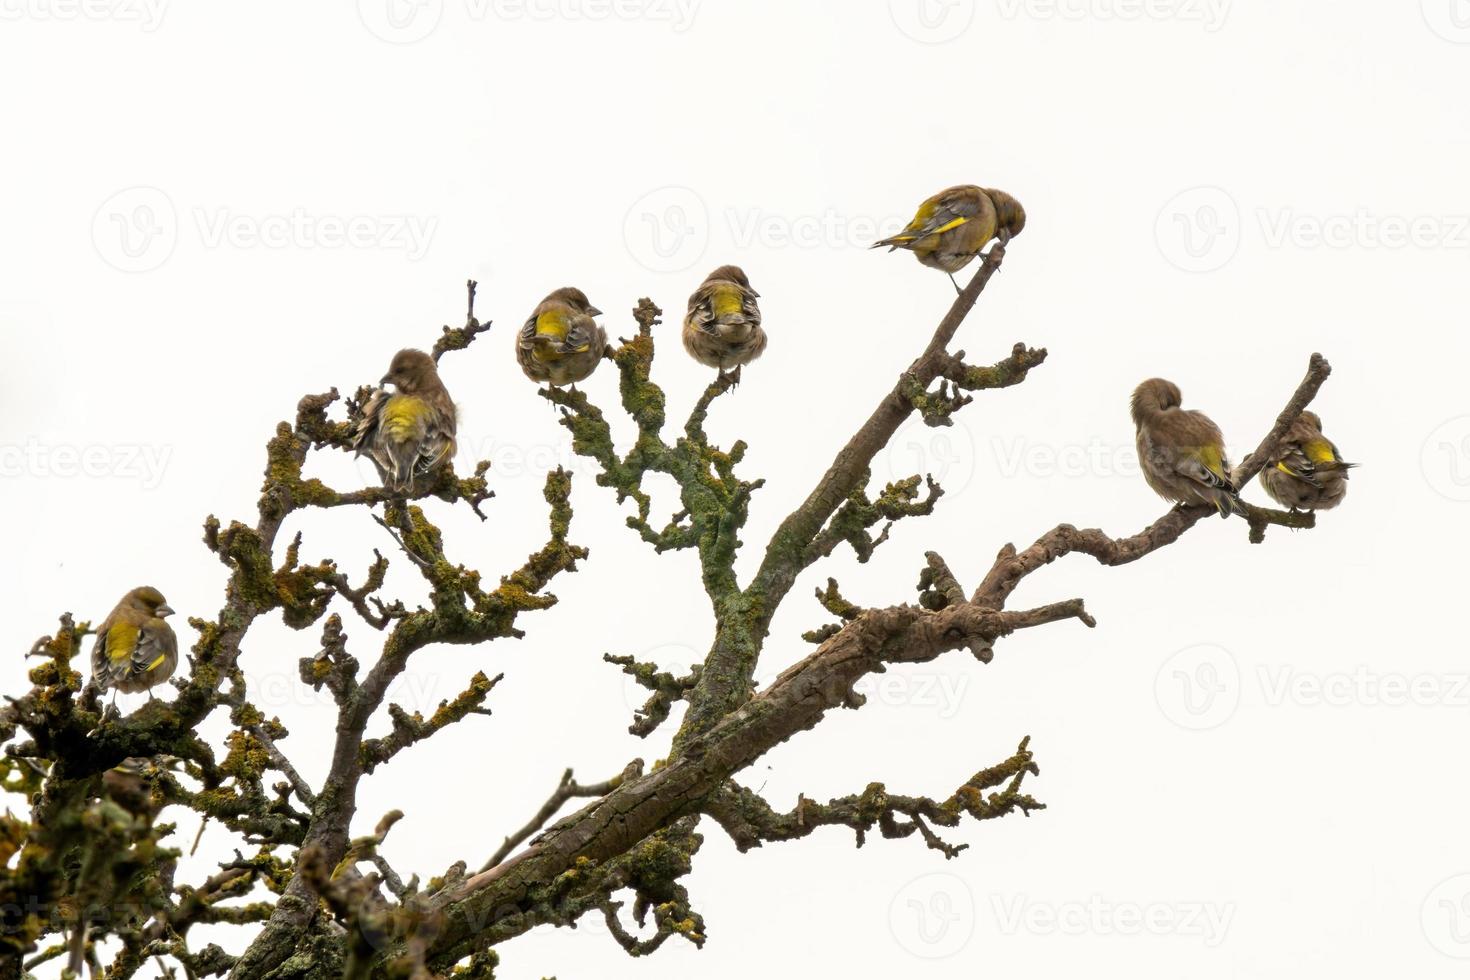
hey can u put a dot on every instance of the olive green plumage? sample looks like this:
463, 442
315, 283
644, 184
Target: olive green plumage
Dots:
1182, 452
135, 648
560, 344
408, 433
1307, 472
953, 226
722, 328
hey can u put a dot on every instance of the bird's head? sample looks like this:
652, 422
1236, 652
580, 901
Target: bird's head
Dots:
576, 299
149, 600
730, 273
1009, 214
1154, 395
1312, 418
411, 371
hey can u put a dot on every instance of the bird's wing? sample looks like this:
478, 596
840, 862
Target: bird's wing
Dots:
528, 334
701, 315
367, 426
1202, 455
941, 213
1323, 454
156, 643
439, 443
582, 333
1294, 461
103, 648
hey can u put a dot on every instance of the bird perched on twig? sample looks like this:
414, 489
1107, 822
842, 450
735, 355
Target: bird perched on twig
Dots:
723, 326
951, 227
1182, 452
1307, 472
561, 344
408, 433
135, 649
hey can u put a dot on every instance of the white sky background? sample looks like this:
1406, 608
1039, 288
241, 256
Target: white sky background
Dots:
1238, 784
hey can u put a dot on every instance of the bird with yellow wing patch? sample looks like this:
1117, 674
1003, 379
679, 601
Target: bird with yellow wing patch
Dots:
409, 432
1307, 472
560, 344
953, 226
135, 649
722, 328
1182, 452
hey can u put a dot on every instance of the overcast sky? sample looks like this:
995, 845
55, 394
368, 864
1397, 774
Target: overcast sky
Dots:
1252, 766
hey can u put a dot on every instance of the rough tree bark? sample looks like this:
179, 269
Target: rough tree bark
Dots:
324, 904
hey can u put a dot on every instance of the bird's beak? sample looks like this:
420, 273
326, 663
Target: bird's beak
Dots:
385, 379
164, 611
593, 311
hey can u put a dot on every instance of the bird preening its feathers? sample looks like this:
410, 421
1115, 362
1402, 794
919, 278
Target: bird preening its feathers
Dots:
1182, 452
722, 328
408, 433
1307, 472
560, 344
135, 648
953, 226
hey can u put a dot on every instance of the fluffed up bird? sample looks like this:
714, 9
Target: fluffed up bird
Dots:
408, 433
1182, 452
561, 344
135, 648
952, 227
723, 326
1307, 472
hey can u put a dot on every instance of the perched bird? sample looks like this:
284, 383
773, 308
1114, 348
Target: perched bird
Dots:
1307, 473
953, 226
1182, 452
135, 648
561, 344
410, 433
723, 326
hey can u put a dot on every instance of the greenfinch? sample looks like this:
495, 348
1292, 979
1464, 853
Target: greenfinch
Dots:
1307, 472
723, 326
1182, 452
952, 227
409, 434
135, 648
561, 344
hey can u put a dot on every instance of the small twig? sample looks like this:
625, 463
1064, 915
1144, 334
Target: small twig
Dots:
567, 788
392, 533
